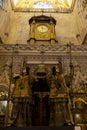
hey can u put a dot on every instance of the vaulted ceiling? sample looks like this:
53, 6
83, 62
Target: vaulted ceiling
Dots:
46, 5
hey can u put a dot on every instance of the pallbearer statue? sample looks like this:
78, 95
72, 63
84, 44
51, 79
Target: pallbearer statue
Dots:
40, 90
22, 100
59, 99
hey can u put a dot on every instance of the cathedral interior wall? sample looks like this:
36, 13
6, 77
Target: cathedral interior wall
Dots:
15, 27
71, 31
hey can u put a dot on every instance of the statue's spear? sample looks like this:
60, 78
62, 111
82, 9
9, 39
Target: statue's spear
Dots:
70, 77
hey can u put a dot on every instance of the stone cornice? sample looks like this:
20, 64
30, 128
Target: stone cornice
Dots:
51, 49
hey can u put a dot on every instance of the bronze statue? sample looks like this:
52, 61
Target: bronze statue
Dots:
40, 90
58, 84
22, 101
59, 111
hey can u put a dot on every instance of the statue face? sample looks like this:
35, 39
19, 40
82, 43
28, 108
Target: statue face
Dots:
57, 68
24, 71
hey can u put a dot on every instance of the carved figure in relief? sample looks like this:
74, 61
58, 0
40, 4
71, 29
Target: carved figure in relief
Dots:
79, 82
81, 4
4, 77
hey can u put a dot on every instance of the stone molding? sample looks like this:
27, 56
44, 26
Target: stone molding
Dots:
41, 48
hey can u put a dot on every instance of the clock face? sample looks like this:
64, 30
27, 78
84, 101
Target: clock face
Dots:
42, 28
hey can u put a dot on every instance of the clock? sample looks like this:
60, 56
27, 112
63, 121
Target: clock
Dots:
42, 28
42, 31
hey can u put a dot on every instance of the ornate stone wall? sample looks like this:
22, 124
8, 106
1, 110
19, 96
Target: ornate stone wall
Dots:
13, 56
49, 54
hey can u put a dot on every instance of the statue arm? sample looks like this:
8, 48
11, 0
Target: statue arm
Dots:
18, 82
